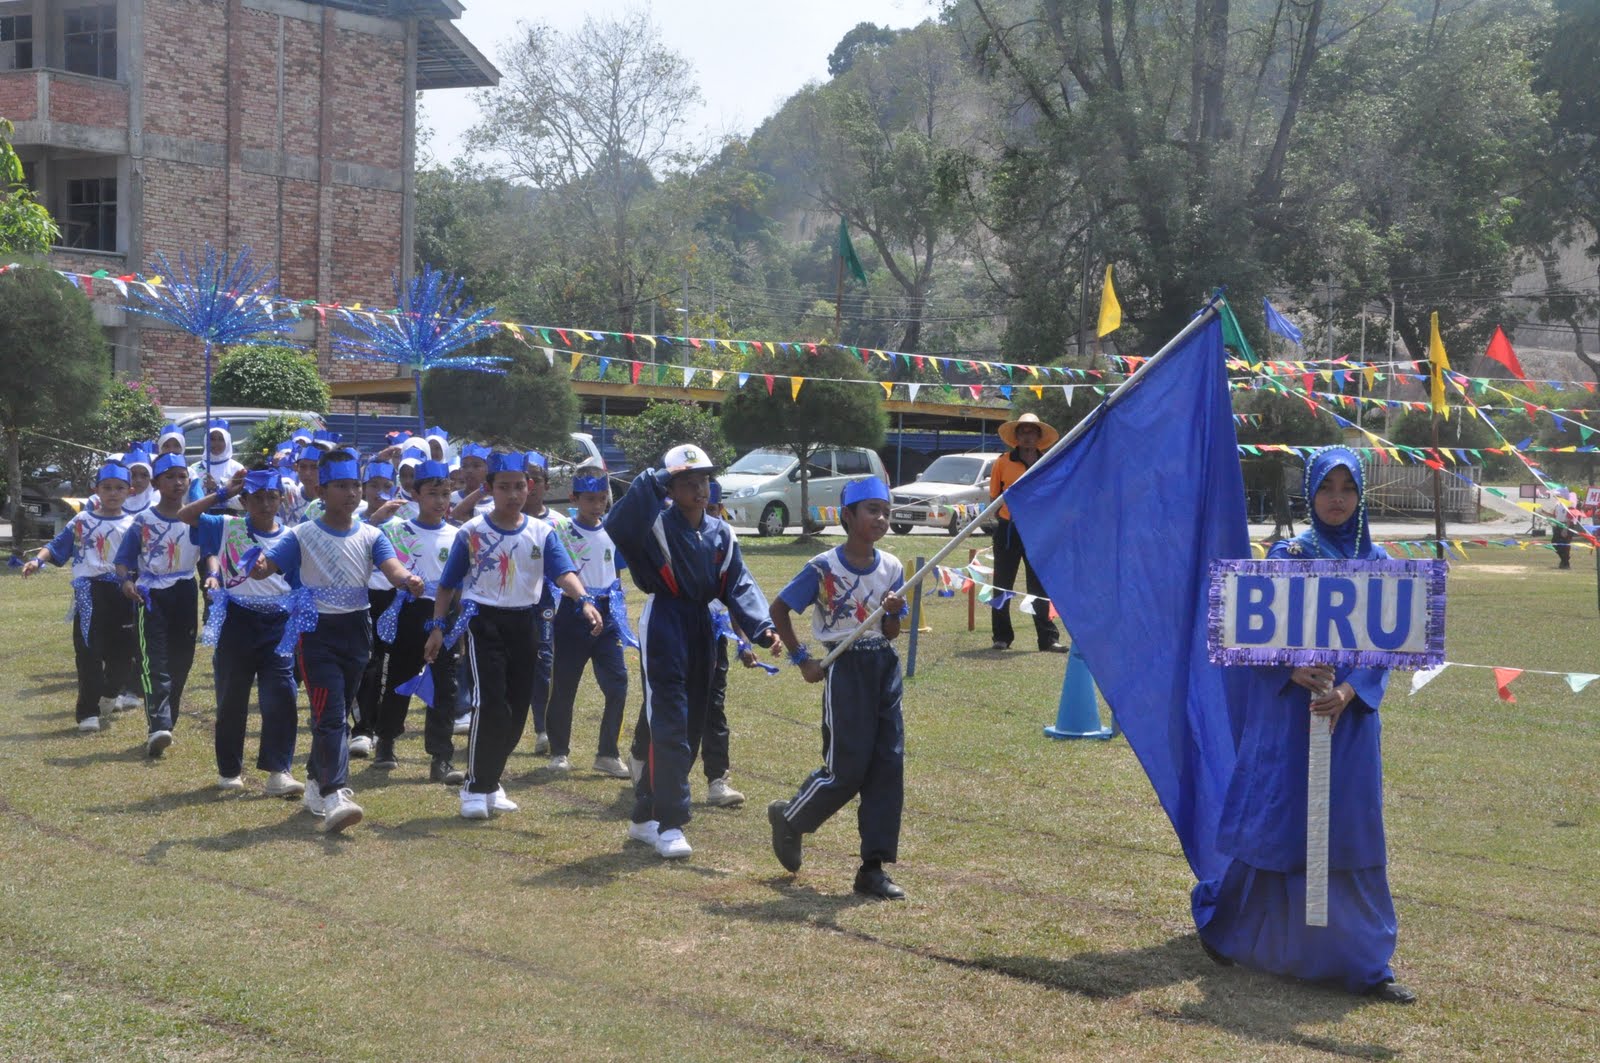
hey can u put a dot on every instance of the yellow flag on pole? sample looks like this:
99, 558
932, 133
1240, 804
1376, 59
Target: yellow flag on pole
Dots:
1439, 362
1110, 309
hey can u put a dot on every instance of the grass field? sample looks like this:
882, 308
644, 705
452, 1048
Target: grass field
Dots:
143, 915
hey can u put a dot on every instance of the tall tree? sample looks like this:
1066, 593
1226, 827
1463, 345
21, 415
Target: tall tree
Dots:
26, 227
530, 406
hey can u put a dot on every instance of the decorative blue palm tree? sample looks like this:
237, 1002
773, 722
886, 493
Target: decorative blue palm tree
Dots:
433, 320
224, 303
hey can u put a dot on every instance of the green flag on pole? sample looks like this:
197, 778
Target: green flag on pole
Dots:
1233, 335
847, 253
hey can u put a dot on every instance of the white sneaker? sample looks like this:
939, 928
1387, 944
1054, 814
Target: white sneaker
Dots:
562, 764
110, 705
282, 784
672, 845
720, 794
340, 811
89, 724
463, 724
541, 743
474, 806
229, 782
635, 768
499, 802
611, 766
361, 746
129, 702
311, 799
157, 743
648, 832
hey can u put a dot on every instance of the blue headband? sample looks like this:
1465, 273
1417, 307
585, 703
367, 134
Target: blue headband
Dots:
516, 461
111, 471
136, 456
436, 430
217, 425
324, 436
716, 493
378, 468
166, 463
309, 454
431, 470
338, 470
262, 480
473, 450
861, 490
302, 435
596, 484
537, 460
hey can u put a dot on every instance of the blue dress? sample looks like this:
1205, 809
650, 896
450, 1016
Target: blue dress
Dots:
1254, 913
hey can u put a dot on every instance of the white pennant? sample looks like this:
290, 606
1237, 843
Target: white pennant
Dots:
688, 375
911, 391
550, 356
1578, 680
1426, 676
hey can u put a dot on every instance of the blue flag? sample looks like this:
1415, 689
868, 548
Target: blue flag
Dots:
1123, 525
420, 685
1276, 322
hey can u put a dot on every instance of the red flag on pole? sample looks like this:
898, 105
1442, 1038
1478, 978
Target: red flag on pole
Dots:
1500, 351
1502, 683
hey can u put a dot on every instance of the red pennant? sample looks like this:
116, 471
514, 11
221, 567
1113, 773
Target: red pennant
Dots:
635, 372
564, 341
1500, 351
1502, 683
1533, 411
768, 379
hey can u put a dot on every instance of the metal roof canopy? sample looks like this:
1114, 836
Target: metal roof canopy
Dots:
445, 58
624, 400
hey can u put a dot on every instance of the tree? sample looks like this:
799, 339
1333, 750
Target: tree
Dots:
131, 410
824, 414
279, 378
265, 436
866, 36
54, 357
1274, 417
663, 425
531, 406
26, 227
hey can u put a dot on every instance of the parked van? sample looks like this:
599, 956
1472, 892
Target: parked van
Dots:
947, 494
241, 421
762, 489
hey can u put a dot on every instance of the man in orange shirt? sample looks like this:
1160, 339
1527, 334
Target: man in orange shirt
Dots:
1028, 437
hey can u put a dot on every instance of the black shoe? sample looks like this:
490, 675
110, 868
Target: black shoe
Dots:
1391, 992
384, 758
1055, 647
1216, 957
444, 771
875, 882
786, 841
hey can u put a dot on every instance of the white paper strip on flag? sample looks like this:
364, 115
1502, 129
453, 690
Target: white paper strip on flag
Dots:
1426, 676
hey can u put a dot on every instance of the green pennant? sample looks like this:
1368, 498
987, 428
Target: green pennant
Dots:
1233, 335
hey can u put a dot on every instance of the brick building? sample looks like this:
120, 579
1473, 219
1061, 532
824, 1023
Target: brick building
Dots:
285, 126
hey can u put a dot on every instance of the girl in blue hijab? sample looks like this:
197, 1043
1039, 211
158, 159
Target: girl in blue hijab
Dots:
1254, 914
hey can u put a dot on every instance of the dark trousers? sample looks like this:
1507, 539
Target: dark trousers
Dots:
405, 661
332, 659
1009, 555
105, 660
675, 643
502, 669
708, 727
373, 679
246, 656
543, 657
167, 631
575, 647
863, 752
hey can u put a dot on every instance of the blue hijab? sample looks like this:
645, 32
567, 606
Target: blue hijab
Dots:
1350, 539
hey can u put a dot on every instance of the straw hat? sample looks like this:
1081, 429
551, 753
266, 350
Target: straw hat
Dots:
1047, 433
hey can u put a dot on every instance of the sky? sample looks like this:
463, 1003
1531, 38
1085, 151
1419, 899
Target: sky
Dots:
749, 55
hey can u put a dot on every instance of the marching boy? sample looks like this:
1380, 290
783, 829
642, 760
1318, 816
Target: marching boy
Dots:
500, 562
863, 736
332, 555
598, 563
102, 634
156, 564
683, 559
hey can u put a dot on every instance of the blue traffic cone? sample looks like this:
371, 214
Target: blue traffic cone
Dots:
1079, 713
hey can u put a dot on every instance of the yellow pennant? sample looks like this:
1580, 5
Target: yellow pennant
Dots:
794, 386
888, 388
1110, 308
716, 377
576, 358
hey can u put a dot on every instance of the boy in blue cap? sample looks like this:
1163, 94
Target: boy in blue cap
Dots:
500, 563
863, 736
332, 556
102, 619
156, 564
683, 559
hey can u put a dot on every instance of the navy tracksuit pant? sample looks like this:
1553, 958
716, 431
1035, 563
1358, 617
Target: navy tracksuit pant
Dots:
405, 661
578, 647
502, 669
246, 656
373, 679
166, 633
332, 659
863, 751
708, 727
544, 656
103, 659
675, 643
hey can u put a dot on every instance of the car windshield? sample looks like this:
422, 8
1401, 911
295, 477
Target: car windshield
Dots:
763, 463
951, 469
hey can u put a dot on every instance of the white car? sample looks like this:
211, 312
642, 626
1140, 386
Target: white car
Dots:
948, 494
762, 489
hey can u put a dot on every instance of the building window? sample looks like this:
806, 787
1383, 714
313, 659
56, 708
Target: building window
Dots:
90, 40
16, 42
91, 216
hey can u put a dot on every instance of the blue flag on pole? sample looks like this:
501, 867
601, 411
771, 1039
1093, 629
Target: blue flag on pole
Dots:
1276, 322
1123, 525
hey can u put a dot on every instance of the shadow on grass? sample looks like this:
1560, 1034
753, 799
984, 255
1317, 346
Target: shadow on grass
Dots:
795, 904
292, 827
134, 754
44, 690
157, 804
602, 869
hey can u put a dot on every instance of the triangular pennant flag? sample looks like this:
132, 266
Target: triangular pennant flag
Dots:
743, 379
716, 377
1578, 680
794, 386
1427, 675
420, 686
768, 378
688, 374
635, 371
1502, 683
911, 391
888, 388
1110, 308
576, 358
1500, 350
1439, 364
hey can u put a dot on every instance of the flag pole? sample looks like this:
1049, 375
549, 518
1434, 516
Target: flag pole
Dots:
1206, 313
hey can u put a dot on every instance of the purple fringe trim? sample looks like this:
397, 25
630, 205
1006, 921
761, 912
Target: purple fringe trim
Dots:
1434, 571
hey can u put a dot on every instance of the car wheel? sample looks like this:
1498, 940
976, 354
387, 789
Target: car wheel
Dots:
956, 524
900, 529
773, 519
